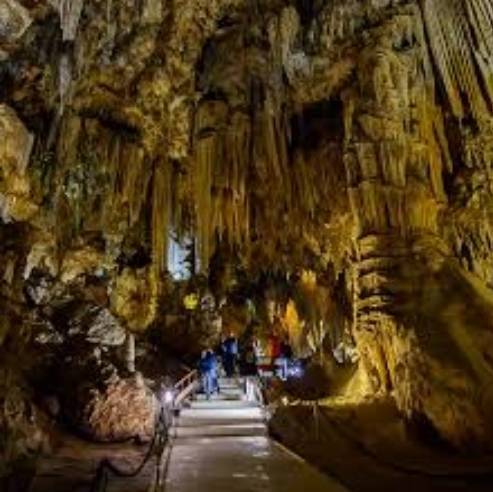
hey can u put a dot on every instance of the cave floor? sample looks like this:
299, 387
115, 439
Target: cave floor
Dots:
73, 466
218, 445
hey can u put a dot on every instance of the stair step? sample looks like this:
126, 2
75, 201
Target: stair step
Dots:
213, 414
197, 422
231, 387
222, 404
249, 429
231, 390
237, 382
220, 397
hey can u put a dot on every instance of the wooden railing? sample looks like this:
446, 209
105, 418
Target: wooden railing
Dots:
185, 386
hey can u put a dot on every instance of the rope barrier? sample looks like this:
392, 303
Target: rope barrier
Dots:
156, 447
159, 442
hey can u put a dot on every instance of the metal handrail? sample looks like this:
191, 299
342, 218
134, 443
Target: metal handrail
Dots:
185, 386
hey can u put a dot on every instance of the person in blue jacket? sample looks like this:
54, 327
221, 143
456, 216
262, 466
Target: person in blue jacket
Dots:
230, 353
213, 371
205, 368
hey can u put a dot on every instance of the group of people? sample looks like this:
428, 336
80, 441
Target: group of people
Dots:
227, 351
281, 353
244, 361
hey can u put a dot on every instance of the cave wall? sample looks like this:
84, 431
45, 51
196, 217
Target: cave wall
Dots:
347, 138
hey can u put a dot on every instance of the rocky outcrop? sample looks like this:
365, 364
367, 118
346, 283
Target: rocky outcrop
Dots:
117, 410
395, 162
15, 198
134, 298
95, 394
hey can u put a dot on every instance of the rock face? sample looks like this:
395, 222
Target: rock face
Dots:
349, 139
17, 142
21, 424
122, 409
94, 393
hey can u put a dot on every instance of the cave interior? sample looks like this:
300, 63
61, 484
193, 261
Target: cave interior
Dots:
172, 172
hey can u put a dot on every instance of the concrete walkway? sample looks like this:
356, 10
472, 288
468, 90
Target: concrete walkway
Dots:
222, 446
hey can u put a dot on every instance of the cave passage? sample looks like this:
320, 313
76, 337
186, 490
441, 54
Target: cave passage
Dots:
286, 200
214, 443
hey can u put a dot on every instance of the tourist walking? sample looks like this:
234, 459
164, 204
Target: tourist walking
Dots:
213, 371
230, 353
205, 369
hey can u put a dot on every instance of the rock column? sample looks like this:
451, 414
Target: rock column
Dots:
394, 165
130, 352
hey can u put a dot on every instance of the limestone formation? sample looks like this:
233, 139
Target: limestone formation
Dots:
15, 200
123, 409
325, 168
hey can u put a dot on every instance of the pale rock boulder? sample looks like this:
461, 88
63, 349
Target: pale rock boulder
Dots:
123, 409
93, 324
106, 330
14, 21
42, 256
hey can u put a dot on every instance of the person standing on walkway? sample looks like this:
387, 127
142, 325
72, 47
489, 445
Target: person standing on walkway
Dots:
205, 368
230, 353
250, 360
213, 371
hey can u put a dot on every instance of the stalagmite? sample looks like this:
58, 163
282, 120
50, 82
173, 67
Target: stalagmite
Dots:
130, 352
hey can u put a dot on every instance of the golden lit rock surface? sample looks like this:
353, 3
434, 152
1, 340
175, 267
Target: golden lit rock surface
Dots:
121, 411
134, 298
324, 168
17, 142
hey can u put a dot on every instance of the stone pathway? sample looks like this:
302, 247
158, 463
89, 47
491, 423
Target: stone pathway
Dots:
222, 446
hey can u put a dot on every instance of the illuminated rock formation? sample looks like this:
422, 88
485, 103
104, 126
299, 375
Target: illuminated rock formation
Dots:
349, 139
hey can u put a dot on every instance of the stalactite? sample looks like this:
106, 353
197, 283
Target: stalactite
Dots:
220, 183
204, 162
135, 178
459, 41
70, 12
111, 161
161, 204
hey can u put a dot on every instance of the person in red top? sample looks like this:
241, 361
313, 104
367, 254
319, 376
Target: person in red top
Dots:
274, 345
